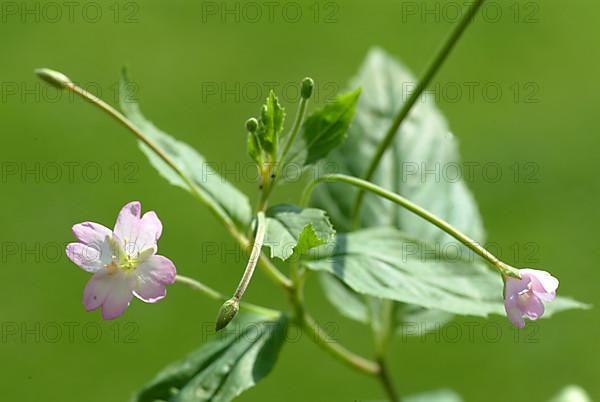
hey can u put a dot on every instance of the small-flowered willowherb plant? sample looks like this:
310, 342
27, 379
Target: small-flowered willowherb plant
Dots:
376, 267
124, 261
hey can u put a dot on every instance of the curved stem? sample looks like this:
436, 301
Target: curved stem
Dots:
274, 274
318, 334
331, 346
254, 256
215, 295
221, 215
433, 68
417, 210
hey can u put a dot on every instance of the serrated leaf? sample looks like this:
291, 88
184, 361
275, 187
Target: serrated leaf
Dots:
324, 130
223, 368
291, 229
270, 125
380, 262
308, 239
221, 194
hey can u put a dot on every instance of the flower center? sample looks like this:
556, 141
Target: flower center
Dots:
126, 258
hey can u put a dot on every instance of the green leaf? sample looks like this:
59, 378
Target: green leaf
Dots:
270, 124
325, 130
349, 303
223, 196
410, 320
223, 368
291, 229
382, 263
415, 321
424, 141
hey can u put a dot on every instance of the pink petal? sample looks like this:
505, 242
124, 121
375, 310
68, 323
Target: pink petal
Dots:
127, 224
513, 312
118, 298
514, 286
543, 284
158, 268
97, 290
137, 233
89, 258
533, 309
152, 275
91, 233
150, 229
150, 291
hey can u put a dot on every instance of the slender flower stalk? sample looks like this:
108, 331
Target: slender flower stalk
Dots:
364, 185
431, 71
216, 295
259, 239
230, 308
62, 81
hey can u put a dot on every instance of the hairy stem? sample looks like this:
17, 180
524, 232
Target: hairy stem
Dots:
433, 68
259, 239
417, 210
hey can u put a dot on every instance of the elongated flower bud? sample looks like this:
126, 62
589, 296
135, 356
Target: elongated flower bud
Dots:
307, 87
54, 78
227, 312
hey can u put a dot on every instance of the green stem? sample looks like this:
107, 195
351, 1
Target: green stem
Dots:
266, 192
254, 255
295, 129
331, 346
383, 338
417, 210
272, 272
386, 380
319, 335
221, 215
431, 71
215, 295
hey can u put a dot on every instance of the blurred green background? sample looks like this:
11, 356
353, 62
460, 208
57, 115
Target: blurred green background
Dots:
178, 52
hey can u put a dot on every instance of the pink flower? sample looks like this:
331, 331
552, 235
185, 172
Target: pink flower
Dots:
124, 261
524, 297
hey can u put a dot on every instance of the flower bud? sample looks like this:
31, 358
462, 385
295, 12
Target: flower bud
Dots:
54, 78
307, 87
251, 124
226, 313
